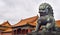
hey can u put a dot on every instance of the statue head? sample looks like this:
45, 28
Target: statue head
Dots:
45, 9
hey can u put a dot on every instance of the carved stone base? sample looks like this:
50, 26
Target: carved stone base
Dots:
45, 33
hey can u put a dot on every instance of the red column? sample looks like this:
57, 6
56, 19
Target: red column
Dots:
12, 32
25, 31
29, 30
21, 31
16, 31
0, 32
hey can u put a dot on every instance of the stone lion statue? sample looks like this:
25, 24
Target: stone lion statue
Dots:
46, 18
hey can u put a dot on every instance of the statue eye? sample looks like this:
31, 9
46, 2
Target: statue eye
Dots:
41, 9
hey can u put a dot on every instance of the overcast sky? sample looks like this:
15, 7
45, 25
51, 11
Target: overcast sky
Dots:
15, 10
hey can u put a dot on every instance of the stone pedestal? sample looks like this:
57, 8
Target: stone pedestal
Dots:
45, 33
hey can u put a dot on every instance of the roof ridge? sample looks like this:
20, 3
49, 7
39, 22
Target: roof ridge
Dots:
6, 22
27, 19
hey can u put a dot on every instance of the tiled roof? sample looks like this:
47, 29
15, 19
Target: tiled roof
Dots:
6, 24
58, 23
6, 27
28, 20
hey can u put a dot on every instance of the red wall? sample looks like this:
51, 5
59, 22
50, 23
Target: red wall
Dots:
7, 33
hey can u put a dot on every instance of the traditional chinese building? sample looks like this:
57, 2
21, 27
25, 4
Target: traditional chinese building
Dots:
22, 27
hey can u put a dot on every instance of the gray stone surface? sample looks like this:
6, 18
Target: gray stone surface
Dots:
45, 33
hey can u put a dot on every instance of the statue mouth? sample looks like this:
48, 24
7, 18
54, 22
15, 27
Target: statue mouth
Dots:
42, 13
